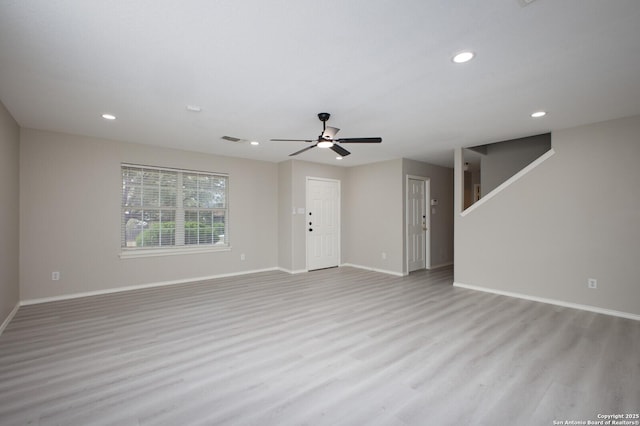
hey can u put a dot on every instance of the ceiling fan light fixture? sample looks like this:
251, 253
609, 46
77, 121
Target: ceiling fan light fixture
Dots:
255, 143
325, 144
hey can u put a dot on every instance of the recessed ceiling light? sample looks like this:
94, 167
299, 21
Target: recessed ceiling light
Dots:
539, 114
108, 116
255, 143
338, 158
463, 57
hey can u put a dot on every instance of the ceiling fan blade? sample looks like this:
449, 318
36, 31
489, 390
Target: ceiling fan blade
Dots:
329, 133
303, 150
292, 140
359, 140
340, 150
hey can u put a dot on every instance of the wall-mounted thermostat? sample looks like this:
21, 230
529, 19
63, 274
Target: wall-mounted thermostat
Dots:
434, 202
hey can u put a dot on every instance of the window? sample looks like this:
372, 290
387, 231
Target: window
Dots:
169, 208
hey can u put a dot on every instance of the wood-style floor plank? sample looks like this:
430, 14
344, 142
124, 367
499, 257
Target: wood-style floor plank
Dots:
334, 347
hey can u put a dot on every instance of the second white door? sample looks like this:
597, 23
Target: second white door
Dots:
417, 224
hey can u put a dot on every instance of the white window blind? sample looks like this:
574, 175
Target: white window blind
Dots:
173, 208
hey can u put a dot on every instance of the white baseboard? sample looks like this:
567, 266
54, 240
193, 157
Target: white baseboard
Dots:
304, 271
551, 301
440, 265
292, 272
138, 287
9, 317
368, 268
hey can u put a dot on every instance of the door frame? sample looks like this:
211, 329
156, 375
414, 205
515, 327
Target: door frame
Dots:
339, 216
427, 211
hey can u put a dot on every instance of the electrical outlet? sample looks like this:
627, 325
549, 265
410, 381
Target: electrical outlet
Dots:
592, 283
55, 276
242, 256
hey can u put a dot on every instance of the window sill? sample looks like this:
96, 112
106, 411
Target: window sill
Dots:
136, 253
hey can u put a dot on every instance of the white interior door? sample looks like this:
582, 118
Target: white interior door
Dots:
323, 223
418, 223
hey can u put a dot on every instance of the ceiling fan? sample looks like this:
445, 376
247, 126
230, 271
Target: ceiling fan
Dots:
327, 139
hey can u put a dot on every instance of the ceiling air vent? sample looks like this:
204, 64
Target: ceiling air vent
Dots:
232, 139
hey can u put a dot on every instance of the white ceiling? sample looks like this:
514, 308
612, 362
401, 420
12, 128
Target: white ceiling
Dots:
264, 69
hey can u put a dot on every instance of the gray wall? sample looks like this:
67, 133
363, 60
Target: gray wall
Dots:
372, 212
504, 159
70, 210
573, 217
70, 195
285, 216
441, 182
374, 216
9, 217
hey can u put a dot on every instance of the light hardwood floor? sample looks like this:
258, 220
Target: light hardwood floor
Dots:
334, 347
